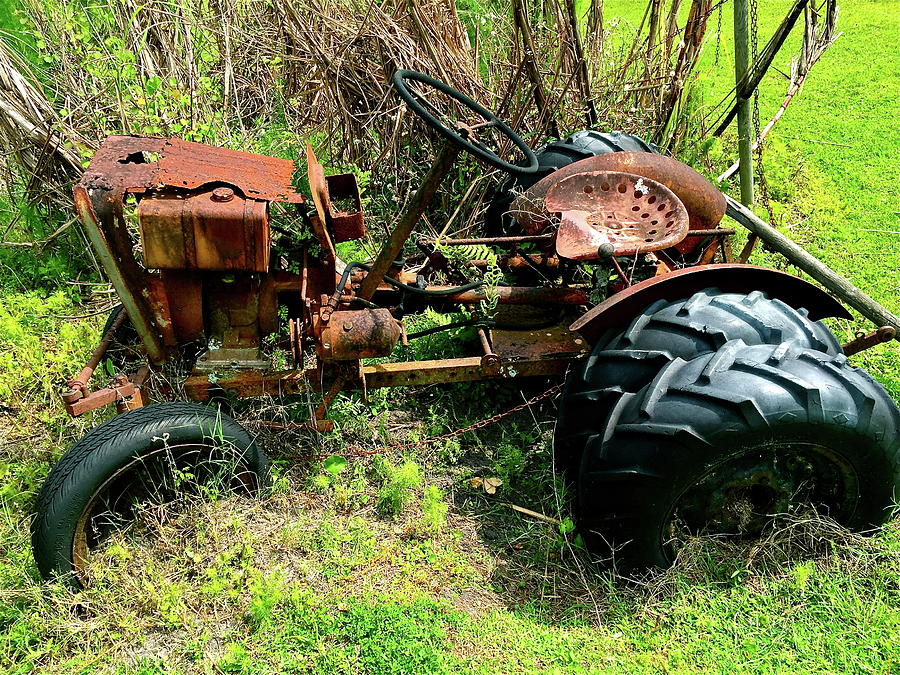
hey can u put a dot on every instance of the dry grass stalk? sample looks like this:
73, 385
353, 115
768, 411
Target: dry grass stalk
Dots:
31, 133
229, 72
788, 540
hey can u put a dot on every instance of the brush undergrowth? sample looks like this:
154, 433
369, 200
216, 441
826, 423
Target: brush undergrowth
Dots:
408, 565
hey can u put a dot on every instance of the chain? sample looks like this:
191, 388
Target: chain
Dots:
718, 6
719, 33
760, 170
754, 53
402, 447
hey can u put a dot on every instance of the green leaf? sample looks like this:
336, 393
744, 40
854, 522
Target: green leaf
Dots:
335, 464
566, 526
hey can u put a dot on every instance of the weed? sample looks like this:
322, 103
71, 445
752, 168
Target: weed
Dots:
434, 511
266, 592
397, 482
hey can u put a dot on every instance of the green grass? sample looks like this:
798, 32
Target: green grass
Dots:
259, 589
834, 158
407, 566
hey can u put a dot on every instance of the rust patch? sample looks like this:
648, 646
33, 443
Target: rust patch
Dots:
184, 293
539, 296
125, 392
344, 207
467, 369
215, 230
538, 344
864, 341
140, 163
358, 334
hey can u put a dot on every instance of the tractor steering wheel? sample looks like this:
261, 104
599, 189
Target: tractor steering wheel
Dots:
443, 117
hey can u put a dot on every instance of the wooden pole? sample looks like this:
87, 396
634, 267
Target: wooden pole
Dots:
760, 66
792, 91
814, 267
745, 133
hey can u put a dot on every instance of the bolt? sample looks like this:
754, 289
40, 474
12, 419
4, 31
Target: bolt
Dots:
606, 250
222, 194
348, 326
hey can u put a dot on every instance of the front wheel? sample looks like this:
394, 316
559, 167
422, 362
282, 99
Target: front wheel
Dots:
155, 455
721, 443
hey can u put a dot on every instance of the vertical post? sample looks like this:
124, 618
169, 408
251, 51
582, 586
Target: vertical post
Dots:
744, 121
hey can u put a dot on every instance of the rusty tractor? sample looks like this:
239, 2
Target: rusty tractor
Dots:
702, 394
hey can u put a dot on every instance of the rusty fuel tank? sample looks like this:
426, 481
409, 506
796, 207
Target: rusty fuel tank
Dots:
215, 230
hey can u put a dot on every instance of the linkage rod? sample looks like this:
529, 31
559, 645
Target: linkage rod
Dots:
420, 201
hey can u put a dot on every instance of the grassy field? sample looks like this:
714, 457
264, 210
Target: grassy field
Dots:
405, 564
833, 160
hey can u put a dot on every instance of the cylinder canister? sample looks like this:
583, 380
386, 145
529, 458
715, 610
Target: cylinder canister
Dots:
358, 334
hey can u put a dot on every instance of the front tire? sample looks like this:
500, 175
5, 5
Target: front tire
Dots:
155, 454
720, 443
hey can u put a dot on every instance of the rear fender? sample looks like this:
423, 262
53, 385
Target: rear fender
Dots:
621, 308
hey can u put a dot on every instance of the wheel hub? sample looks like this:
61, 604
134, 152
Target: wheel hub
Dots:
741, 496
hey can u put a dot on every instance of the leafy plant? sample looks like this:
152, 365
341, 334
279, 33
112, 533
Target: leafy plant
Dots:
434, 511
397, 483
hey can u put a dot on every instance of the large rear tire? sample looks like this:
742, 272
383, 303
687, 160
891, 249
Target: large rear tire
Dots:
709, 318
624, 361
157, 454
720, 443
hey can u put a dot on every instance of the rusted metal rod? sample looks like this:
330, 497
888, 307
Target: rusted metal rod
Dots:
78, 385
520, 262
490, 361
466, 369
128, 292
841, 287
518, 295
420, 201
865, 341
620, 271
483, 338
710, 233
492, 241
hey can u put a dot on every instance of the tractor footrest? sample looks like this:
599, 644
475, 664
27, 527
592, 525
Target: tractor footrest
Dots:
540, 343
